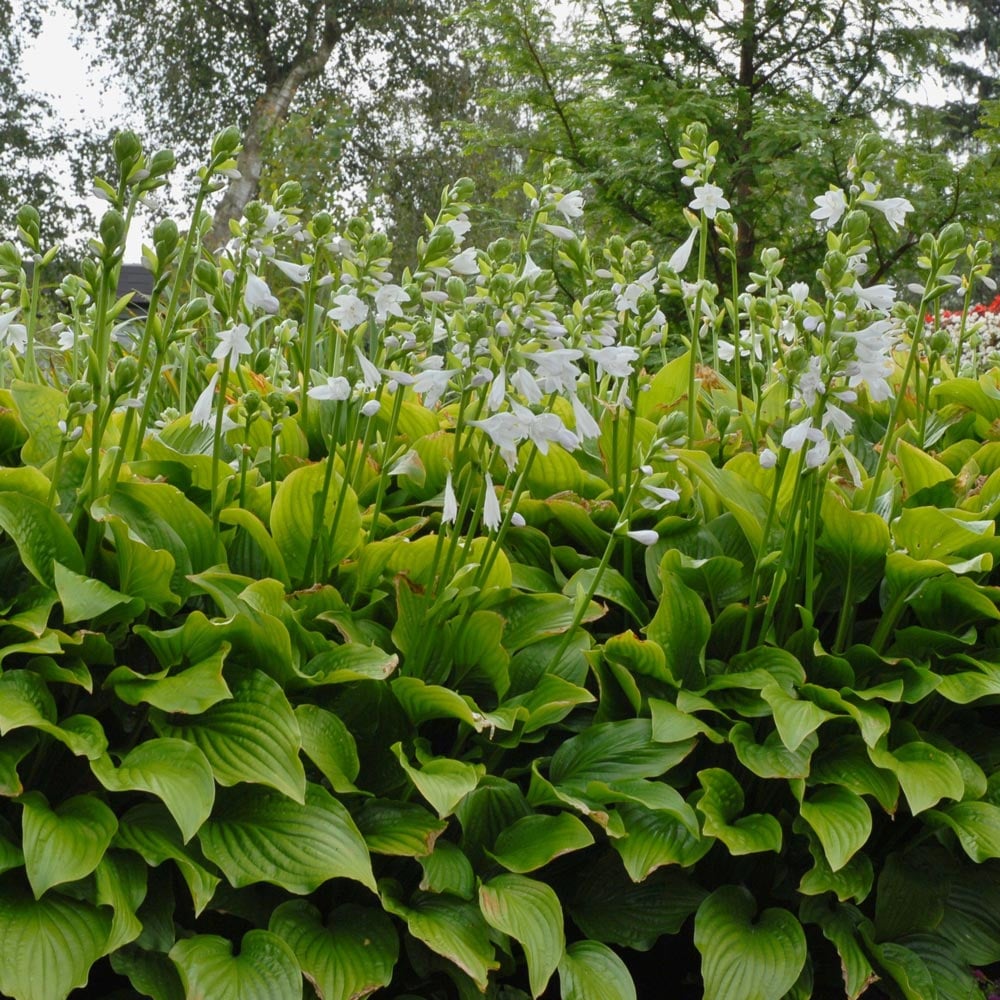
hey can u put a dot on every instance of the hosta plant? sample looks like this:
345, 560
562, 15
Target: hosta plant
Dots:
542, 621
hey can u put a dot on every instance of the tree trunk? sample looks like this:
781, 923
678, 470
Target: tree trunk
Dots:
743, 175
270, 110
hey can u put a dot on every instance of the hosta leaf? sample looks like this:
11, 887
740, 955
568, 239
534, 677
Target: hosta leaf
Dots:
254, 527
42, 537
907, 969
590, 970
13, 749
296, 518
910, 896
495, 805
170, 769
398, 828
533, 617
151, 833
853, 881
613, 587
49, 945
453, 928
533, 841
252, 737
771, 759
794, 718
257, 835
143, 572
852, 547
328, 743
681, 627
84, 598
721, 805
839, 929
976, 824
608, 906
347, 957
638, 655
971, 917
613, 751
548, 702
151, 973
670, 724
265, 969
925, 773
349, 662
189, 692
529, 912
40, 407
447, 869
847, 763
653, 839
120, 883
441, 781
950, 975
66, 843
841, 821
743, 958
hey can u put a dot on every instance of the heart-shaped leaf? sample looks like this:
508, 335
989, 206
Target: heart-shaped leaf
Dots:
532, 842
189, 692
841, 820
743, 958
721, 806
265, 969
590, 970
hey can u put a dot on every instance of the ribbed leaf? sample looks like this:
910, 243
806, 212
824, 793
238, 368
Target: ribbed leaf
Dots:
771, 759
252, 737
590, 970
49, 945
447, 869
66, 843
441, 781
841, 820
971, 917
529, 912
450, 927
839, 929
847, 763
265, 969
532, 842
653, 839
794, 718
120, 882
257, 835
151, 973
41, 536
13, 749
349, 662
172, 770
190, 692
84, 598
681, 627
328, 743
150, 832
398, 828
743, 958
976, 824
721, 805
347, 957
925, 773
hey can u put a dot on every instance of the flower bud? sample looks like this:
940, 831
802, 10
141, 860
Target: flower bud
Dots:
206, 276
79, 394
127, 149
162, 162
261, 361
251, 402
112, 230
165, 238
225, 143
124, 376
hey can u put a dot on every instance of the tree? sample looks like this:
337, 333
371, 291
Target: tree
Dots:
784, 86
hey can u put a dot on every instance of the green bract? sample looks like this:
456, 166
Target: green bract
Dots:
472, 632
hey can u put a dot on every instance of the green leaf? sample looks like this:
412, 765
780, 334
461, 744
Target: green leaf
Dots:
681, 627
447, 869
84, 598
852, 547
404, 829
533, 841
174, 771
613, 751
847, 763
743, 958
247, 521
328, 743
794, 718
64, 844
441, 781
349, 662
951, 977
151, 973
841, 820
42, 537
40, 407
450, 927
655, 838
590, 970
151, 832
253, 737
971, 917
257, 835
533, 617
529, 912
638, 656
143, 572
265, 969
13, 749
839, 929
613, 587
295, 517
853, 881
925, 773
347, 957
120, 882
976, 824
721, 805
49, 945
771, 759
907, 969
189, 692
670, 724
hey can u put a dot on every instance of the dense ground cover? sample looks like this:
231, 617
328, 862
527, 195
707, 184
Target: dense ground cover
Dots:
512, 626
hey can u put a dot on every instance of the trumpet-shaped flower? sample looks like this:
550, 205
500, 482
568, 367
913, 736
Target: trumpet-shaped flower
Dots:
524, 382
389, 301
556, 369
370, 375
465, 262
831, 206
570, 205
431, 383
258, 296
349, 311
449, 512
876, 296
894, 210
616, 360
491, 506
680, 257
644, 537
335, 388
201, 412
233, 342
13, 335
506, 430
708, 198
587, 428
299, 273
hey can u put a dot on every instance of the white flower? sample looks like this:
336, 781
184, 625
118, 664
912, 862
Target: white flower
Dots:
544, 428
506, 430
491, 506
13, 334
258, 296
570, 206
557, 372
370, 375
449, 513
796, 436
799, 292
465, 262
587, 428
335, 388
529, 268
616, 361
894, 210
560, 232
768, 459
349, 311
498, 391
431, 384
876, 296
299, 273
680, 257
517, 520
708, 198
832, 206
664, 493
388, 302
371, 408
643, 537
233, 342
201, 412
843, 422
523, 381
459, 227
